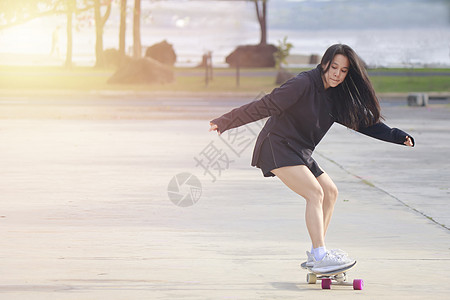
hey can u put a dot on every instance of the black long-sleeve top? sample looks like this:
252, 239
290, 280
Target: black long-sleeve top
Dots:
301, 111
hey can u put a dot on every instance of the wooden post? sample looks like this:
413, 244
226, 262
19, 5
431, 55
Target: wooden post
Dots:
207, 59
238, 75
210, 65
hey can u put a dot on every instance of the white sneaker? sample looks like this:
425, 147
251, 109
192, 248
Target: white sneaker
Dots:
311, 260
338, 252
332, 262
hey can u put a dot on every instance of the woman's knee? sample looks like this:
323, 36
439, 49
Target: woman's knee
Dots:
331, 192
302, 181
315, 195
329, 188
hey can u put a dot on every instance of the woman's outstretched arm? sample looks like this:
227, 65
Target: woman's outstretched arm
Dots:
383, 132
279, 100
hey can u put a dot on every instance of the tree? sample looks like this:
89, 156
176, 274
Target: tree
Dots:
280, 56
261, 14
70, 9
13, 13
283, 50
99, 25
137, 29
122, 28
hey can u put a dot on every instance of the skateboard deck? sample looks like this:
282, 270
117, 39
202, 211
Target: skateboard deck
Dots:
339, 271
338, 276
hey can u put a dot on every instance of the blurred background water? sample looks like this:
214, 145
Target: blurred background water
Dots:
385, 33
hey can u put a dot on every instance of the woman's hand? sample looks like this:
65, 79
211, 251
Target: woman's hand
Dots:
408, 142
214, 127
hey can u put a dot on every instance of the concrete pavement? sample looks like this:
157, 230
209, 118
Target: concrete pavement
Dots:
86, 212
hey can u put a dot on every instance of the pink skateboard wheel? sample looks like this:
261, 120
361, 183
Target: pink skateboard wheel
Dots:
358, 284
326, 283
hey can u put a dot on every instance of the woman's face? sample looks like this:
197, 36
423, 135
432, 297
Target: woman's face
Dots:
337, 71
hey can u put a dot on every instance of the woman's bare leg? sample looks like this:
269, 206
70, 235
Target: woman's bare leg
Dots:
302, 181
330, 194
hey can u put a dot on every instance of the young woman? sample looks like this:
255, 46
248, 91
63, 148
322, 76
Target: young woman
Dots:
301, 111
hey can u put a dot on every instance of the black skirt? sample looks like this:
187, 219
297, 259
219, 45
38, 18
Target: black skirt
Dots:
277, 152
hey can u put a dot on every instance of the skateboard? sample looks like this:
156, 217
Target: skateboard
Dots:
338, 276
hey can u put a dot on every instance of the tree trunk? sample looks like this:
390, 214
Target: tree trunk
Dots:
122, 30
99, 61
137, 29
264, 24
261, 14
70, 9
99, 24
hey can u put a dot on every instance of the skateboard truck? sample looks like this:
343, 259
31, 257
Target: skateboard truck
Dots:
341, 279
338, 276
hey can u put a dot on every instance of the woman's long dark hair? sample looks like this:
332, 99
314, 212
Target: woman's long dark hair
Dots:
356, 104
